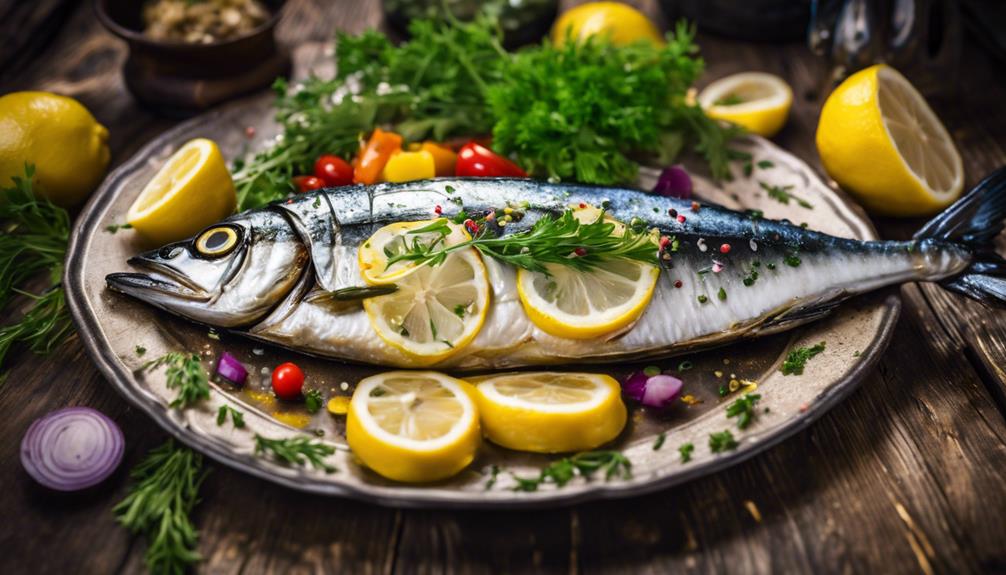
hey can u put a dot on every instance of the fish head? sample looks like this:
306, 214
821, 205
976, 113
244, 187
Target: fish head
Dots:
230, 274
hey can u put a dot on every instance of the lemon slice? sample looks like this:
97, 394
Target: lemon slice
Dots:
437, 309
580, 305
880, 140
394, 239
191, 191
413, 426
758, 101
550, 412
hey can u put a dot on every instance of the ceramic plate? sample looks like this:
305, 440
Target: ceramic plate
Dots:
112, 326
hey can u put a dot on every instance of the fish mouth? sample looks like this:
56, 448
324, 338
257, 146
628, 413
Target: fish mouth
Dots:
161, 280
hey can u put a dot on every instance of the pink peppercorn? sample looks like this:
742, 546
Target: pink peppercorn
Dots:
681, 219
438, 210
678, 283
725, 249
471, 226
580, 251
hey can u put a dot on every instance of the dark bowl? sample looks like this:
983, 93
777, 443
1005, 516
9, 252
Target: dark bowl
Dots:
181, 78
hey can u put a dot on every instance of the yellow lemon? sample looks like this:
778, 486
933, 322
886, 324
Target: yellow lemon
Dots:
880, 140
414, 426
549, 412
757, 101
398, 238
622, 24
191, 191
68, 147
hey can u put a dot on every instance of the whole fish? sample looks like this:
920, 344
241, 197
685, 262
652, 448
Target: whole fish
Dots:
264, 273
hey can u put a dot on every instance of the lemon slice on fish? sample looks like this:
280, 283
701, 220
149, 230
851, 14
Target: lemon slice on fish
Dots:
549, 412
437, 309
576, 304
414, 426
398, 238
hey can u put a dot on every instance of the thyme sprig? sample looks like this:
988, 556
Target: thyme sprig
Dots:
186, 374
164, 492
612, 463
299, 450
562, 240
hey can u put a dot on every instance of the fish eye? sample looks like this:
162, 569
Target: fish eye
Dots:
217, 241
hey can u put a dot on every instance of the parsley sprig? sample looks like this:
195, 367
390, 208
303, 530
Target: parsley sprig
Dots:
299, 450
185, 373
797, 359
164, 492
562, 240
744, 409
612, 463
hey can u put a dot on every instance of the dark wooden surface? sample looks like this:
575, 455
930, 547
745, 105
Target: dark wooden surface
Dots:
906, 476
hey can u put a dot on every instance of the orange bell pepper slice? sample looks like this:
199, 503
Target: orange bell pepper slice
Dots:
444, 158
374, 154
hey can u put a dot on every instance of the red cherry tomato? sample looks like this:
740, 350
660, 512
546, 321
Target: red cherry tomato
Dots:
480, 161
333, 170
287, 381
308, 183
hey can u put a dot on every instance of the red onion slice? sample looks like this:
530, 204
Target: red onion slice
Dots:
674, 182
231, 369
661, 391
72, 449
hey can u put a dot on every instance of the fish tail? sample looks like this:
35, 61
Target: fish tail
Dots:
973, 223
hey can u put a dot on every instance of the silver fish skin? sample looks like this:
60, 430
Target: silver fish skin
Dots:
775, 276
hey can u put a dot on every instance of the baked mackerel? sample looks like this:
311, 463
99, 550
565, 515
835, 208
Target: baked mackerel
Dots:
264, 273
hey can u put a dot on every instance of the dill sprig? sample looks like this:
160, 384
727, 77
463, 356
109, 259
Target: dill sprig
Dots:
33, 238
164, 492
611, 463
299, 450
563, 240
783, 195
186, 374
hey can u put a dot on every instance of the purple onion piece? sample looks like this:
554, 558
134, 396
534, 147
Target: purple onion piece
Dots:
661, 391
231, 369
72, 449
674, 182
634, 386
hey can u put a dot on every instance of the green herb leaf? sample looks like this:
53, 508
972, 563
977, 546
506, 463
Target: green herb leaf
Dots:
237, 418
686, 450
722, 441
313, 400
743, 408
782, 195
659, 442
797, 359
300, 450
612, 463
165, 490
186, 374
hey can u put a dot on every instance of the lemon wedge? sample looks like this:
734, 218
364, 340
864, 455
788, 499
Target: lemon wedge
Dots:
398, 238
757, 101
414, 426
550, 412
880, 140
579, 305
437, 309
191, 191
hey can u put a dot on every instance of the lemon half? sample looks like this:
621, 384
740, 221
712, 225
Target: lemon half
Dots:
413, 426
550, 412
191, 191
757, 101
880, 140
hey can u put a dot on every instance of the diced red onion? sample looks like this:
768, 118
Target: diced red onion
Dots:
658, 391
72, 449
231, 369
674, 182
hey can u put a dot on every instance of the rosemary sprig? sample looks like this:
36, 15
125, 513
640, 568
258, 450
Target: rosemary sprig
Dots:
164, 492
584, 464
237, 417
33, 238
186, 374
562, 240
299, 450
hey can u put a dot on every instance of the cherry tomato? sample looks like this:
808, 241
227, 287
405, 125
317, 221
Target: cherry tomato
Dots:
287, 381
308, 183
479, 161
333, 170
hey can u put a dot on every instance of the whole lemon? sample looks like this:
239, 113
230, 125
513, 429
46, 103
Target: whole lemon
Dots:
623, 24
57, 134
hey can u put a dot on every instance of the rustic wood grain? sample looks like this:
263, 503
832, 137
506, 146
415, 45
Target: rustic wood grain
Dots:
903, 477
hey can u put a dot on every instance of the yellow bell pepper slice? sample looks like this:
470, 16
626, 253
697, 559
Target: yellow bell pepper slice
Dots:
408, 166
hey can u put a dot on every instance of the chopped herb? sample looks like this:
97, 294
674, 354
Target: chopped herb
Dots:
584, 464
765, 164
685, 366
299, 450
722, 441
237, 418
702, 299
792, 260
140, 350
186, 374
797, 359
756, 214
659, 442
459, 310
723, 391
112, 228
494, 472
651, 370
856, 353
686, 450
782, 195
770, 266
313, 400
722, 294
743, 409
159, 504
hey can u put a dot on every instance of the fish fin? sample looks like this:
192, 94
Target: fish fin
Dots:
973, 222
798, 316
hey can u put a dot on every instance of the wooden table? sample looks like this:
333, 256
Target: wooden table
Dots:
907, 475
